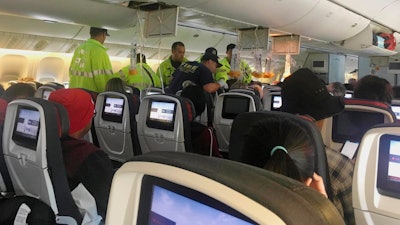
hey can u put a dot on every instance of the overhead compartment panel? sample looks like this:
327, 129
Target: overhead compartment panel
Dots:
328, 22
321, 20
362, 44
382, 11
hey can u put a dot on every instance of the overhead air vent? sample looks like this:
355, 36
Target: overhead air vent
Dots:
148, 5
41, 45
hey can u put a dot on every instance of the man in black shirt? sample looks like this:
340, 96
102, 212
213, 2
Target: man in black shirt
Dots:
197, 73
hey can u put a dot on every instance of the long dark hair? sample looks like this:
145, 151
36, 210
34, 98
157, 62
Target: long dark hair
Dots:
280, 145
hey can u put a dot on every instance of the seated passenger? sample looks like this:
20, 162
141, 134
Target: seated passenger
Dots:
336, 89
303, 93
201, 135
84, 162
16, 91
115, 84
374, 88
143, 76
196, 73
281, 146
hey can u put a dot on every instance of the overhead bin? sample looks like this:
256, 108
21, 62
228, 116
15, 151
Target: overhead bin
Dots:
111, 16
313, 18
382, 11
363, 43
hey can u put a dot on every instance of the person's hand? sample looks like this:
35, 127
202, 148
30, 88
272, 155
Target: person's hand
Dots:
317, 183
223, 84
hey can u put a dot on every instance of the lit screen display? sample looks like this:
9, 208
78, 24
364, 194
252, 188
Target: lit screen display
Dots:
396, 110
162, 111
26, 128
114, 106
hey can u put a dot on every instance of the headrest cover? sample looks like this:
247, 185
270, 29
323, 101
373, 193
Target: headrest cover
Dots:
79, 105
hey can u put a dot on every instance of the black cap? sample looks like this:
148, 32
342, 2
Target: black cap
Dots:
94, 31
230, 46
304, 93
210, 56
212, 50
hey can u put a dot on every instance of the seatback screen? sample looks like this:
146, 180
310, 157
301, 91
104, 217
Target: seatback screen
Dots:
166, 203
388, 182
113, 109
396, 110
351, 125
26, 127
161, 115
234, 105
276, 102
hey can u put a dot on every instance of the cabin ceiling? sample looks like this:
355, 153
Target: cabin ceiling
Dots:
57, 25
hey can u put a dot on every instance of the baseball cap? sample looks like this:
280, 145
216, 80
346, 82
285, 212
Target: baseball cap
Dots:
210, 56
96, 30
304, 93
212, 50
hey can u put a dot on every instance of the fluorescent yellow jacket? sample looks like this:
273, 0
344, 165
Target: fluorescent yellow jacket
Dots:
143, 78
166, 70
90, 67
222, 72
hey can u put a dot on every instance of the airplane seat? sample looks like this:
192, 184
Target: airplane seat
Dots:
244, 122
395, 106
150, 91
116, 126
228, 105
272, 101
45, 90
185, 188
164, 123
33, 154
6, 186
91, 136
350, 125
132, 89
376, 187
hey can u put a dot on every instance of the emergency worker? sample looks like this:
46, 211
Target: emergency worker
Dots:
168, 66
195, 73
143, 76
90, 66
225, 73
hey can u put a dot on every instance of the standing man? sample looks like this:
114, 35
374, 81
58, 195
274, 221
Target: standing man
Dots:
195, 73
168, 66
225, 70
90, 66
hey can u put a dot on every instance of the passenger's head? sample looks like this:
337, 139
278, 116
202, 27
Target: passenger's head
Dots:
140, 58
98, 34
178, 51
196, 95
303, 93
80, 109
229, 49
115, 84
336, 89
210, 61
19, 90
374, 88
282, 146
